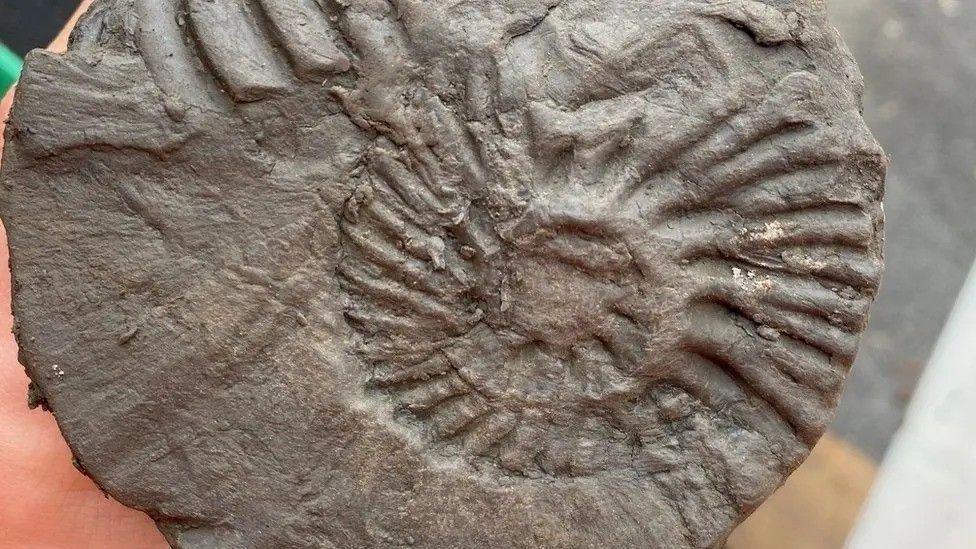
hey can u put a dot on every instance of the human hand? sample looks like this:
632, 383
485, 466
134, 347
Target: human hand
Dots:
44, 501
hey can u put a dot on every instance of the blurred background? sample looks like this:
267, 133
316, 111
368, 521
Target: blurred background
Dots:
919, 62
918, 58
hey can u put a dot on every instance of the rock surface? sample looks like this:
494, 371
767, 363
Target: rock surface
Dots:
377, 273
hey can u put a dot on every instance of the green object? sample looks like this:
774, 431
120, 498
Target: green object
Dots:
10, 65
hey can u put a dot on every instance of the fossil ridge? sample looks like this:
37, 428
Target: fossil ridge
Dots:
377, 273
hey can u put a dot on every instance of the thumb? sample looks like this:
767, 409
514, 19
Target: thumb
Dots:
4, 112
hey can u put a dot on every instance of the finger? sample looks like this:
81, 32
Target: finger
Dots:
60, 42
4, 113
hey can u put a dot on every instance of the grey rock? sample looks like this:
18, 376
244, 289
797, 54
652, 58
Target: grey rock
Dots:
511, 273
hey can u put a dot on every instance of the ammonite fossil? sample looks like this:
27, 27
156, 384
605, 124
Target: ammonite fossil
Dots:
454, 273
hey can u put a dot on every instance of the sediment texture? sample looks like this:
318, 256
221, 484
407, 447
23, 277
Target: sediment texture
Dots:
507, 273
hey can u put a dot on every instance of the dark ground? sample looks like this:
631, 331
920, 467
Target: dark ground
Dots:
919, 61
29, 24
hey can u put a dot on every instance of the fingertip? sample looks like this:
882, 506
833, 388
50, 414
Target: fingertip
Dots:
60, 43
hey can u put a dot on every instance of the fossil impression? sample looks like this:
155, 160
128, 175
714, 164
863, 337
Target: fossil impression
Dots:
506, 273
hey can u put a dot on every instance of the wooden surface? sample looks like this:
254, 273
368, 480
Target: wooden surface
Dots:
818, 505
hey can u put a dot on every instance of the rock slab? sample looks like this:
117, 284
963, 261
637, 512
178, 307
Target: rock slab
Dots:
382, 273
